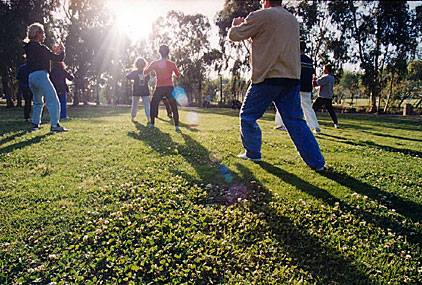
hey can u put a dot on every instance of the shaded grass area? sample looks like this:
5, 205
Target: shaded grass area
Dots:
112, 202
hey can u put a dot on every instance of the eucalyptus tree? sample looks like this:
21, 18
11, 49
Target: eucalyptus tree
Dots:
88, 36
188, 39
235, 55
15, 16
377, 34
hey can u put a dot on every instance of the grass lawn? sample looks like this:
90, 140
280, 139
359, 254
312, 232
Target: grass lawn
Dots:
112, 202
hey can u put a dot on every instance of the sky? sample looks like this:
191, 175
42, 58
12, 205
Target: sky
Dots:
135, 17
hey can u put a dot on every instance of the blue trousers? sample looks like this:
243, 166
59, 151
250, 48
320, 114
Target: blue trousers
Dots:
287, 101
41, 86
63, 104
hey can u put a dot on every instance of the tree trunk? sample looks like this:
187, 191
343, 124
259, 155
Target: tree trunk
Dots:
6, 87
221, 89
390, 94
374, 96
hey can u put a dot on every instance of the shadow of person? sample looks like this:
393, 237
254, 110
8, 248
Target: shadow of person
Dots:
308, 252
5, 139
385, 135
322, 194
22, 144
371, 144
156, 139
404, 207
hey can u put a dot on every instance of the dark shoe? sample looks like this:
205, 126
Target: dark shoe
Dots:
58, 129
35, 127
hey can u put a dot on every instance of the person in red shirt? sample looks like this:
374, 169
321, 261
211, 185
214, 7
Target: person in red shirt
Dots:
164, 70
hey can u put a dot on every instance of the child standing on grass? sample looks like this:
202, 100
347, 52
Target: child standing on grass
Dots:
140, 89
164, 70
58, 76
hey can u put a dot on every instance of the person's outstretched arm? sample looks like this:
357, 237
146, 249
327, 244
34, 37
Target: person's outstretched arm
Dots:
59, 56
176, 71
131, 75
149, 68
243, 29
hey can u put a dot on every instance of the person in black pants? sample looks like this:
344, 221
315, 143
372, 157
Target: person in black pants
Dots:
164, 70
22, 77
326, 93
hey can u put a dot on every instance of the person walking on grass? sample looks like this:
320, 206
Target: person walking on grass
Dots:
164, 70
140, 89
58, 77
38, 58
275, 65
22, 77
307, 71
326, 93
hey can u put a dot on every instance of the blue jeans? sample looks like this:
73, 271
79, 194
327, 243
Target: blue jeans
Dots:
287, 101
63, 104
41, 86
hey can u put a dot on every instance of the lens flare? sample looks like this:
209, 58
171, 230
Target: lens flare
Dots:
180, 96
228, 177
192, 118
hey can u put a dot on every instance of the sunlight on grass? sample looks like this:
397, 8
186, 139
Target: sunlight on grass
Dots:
116, 202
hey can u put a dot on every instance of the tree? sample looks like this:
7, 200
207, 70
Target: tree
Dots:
349, 83
187, 36
377, 33
14, 18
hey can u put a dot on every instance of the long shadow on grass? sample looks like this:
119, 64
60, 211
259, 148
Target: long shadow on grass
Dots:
7, 139
405, 207
194, 153
354, 185
409, 152
384, 121
22, 144
384, 135
309, 252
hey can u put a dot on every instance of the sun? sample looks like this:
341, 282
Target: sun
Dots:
134, 17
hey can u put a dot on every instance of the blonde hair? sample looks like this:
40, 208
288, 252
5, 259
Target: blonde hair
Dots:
32, 30
139, 62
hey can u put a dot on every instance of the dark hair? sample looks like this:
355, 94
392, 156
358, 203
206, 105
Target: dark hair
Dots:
164, 50
329, 67
302, 46
275, 2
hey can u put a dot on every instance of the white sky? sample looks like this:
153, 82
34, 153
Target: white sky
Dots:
135, 17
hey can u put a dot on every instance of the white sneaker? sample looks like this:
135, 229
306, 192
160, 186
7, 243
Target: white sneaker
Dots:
336, 126
320, 169
244, 156
178, 129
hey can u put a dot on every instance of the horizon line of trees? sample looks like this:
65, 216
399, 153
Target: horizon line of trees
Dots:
381, 37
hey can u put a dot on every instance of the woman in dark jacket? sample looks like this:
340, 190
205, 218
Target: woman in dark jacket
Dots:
58, 76
38, 57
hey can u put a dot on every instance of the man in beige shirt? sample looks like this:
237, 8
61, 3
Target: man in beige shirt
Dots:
275, 64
